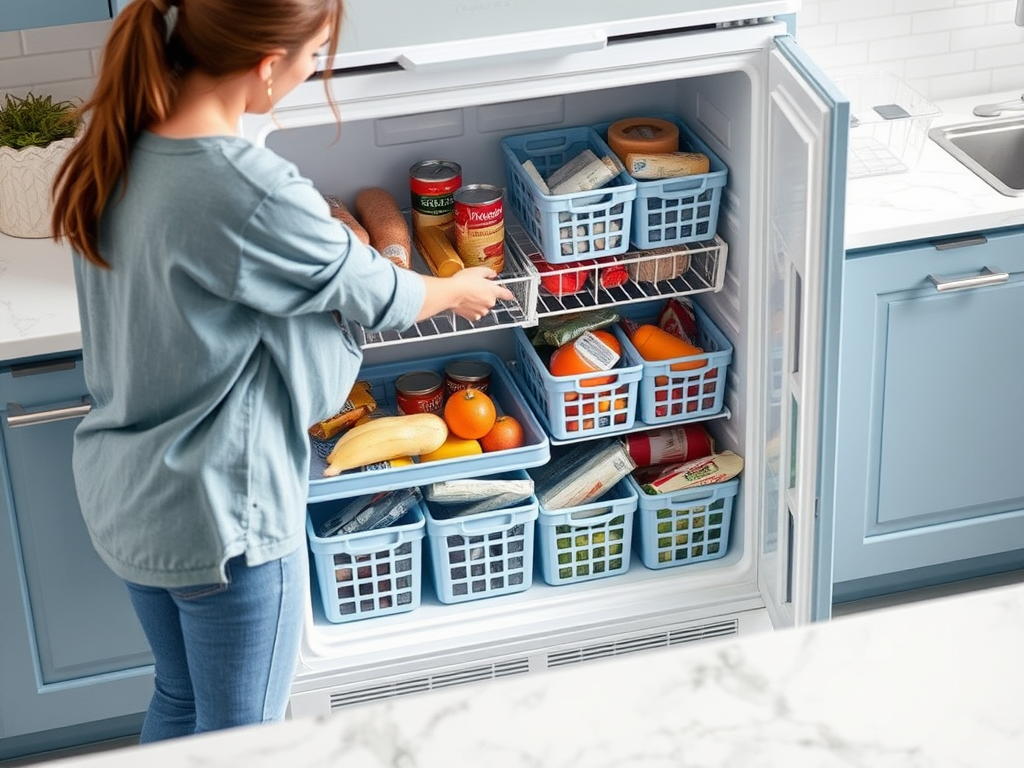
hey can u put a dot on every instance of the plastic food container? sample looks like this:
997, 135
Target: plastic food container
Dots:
482, 555
370, 573
668, 396
566, 407
688, 526
508, 399
678, 210
589, 541
889, 123
575, 226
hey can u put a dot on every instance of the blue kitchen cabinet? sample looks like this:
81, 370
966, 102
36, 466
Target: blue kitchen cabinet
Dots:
930, 436
25, 14
71, 650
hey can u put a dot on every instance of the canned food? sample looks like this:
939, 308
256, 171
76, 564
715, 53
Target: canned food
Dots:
419, 392
463, 374
432, 185
480, 226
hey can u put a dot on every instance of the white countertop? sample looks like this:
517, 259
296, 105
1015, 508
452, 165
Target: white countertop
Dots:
38, 314
933, 684
938, 197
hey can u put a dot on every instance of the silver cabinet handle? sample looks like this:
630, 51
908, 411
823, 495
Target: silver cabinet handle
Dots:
17, 416
988, 276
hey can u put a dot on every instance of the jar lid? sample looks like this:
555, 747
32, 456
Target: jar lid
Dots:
417, 383
467, 370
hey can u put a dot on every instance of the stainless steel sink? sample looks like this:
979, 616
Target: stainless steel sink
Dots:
993, 149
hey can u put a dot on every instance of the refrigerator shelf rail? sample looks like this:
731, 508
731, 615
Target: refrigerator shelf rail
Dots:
652, 274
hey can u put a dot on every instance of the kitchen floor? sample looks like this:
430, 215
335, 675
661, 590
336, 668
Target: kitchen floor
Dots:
844, 609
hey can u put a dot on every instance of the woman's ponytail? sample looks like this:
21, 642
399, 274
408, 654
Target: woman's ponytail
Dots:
135, 88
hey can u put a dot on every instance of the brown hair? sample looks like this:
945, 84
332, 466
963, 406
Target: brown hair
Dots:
152, 44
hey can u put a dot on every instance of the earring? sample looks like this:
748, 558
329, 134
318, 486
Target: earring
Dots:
270, 96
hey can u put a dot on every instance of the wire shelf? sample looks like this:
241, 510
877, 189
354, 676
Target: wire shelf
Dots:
661, 272
518, 276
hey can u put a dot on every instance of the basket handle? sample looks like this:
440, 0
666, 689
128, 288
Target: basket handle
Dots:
486, 524
375, 543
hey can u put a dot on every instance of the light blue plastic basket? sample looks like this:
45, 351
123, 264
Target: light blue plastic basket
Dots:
589, 541
684, 527
371, 573
677, 210
668, 396
569, 227
482, 555
508, 400
570, 409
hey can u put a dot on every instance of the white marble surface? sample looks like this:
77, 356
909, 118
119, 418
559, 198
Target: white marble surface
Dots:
934, 684
38, 308
38, 314
938, 197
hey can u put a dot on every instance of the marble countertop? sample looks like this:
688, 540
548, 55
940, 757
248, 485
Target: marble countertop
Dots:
38, 313
932, 684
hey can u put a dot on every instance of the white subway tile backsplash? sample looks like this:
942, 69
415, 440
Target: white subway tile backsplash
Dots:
1008, 79
1000, 56
10, 45
909, 46
913, 6
976, 38
866, 30
66, 38
24, 73
844, 10
948, 19
925, 67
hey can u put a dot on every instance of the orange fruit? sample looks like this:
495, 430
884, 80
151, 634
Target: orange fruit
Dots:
567, 361
506, 433
470, 414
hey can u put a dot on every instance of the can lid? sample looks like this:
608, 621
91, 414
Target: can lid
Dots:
435, 170
417, 383
468, 370
478, 194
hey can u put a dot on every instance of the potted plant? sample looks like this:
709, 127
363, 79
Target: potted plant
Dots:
36, 133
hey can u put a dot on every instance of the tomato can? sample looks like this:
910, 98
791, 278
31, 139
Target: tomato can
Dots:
419, 392
432, 185
463, 374
480, 226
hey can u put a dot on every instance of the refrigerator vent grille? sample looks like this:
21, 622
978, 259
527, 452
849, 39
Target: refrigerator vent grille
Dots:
505, 668
644, 642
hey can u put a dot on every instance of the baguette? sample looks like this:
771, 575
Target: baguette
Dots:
378, 210
341, 212
437, 250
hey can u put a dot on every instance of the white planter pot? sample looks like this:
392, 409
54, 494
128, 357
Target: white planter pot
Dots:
26, 178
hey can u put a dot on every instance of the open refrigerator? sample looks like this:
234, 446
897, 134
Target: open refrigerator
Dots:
450, 81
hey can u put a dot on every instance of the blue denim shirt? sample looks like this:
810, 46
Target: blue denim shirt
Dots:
210, 347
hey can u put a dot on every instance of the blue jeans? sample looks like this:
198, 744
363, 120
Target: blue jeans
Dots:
225, 653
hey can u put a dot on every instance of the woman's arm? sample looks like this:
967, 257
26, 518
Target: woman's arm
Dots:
469, 293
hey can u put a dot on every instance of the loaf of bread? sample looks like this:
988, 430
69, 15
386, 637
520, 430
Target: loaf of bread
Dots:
666, 165
378, 211
341, 212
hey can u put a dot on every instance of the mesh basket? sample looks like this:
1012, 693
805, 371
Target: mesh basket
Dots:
371, 573
589, 541
569, 227
684, 527
482, 555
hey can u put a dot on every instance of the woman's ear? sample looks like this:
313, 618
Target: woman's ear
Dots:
265, 69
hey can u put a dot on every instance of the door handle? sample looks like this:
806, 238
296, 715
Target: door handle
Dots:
514, 48
988, 276
17, 416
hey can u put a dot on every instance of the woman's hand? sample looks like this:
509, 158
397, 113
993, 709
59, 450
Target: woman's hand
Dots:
470, 293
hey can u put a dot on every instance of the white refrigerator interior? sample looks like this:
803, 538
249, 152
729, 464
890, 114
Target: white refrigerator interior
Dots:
452, 88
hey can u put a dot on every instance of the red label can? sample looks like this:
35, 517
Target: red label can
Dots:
419, 392
480, 226
432, 185
463, 374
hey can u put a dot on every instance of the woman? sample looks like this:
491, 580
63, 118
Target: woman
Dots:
212, 287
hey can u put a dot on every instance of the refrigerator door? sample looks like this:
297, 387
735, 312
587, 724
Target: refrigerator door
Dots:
419, 36
808, 123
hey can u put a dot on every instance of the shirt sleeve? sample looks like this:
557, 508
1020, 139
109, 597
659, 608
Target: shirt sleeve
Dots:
297, 259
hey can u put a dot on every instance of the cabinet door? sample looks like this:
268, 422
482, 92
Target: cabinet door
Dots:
71, 649
20, 14
931, 427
